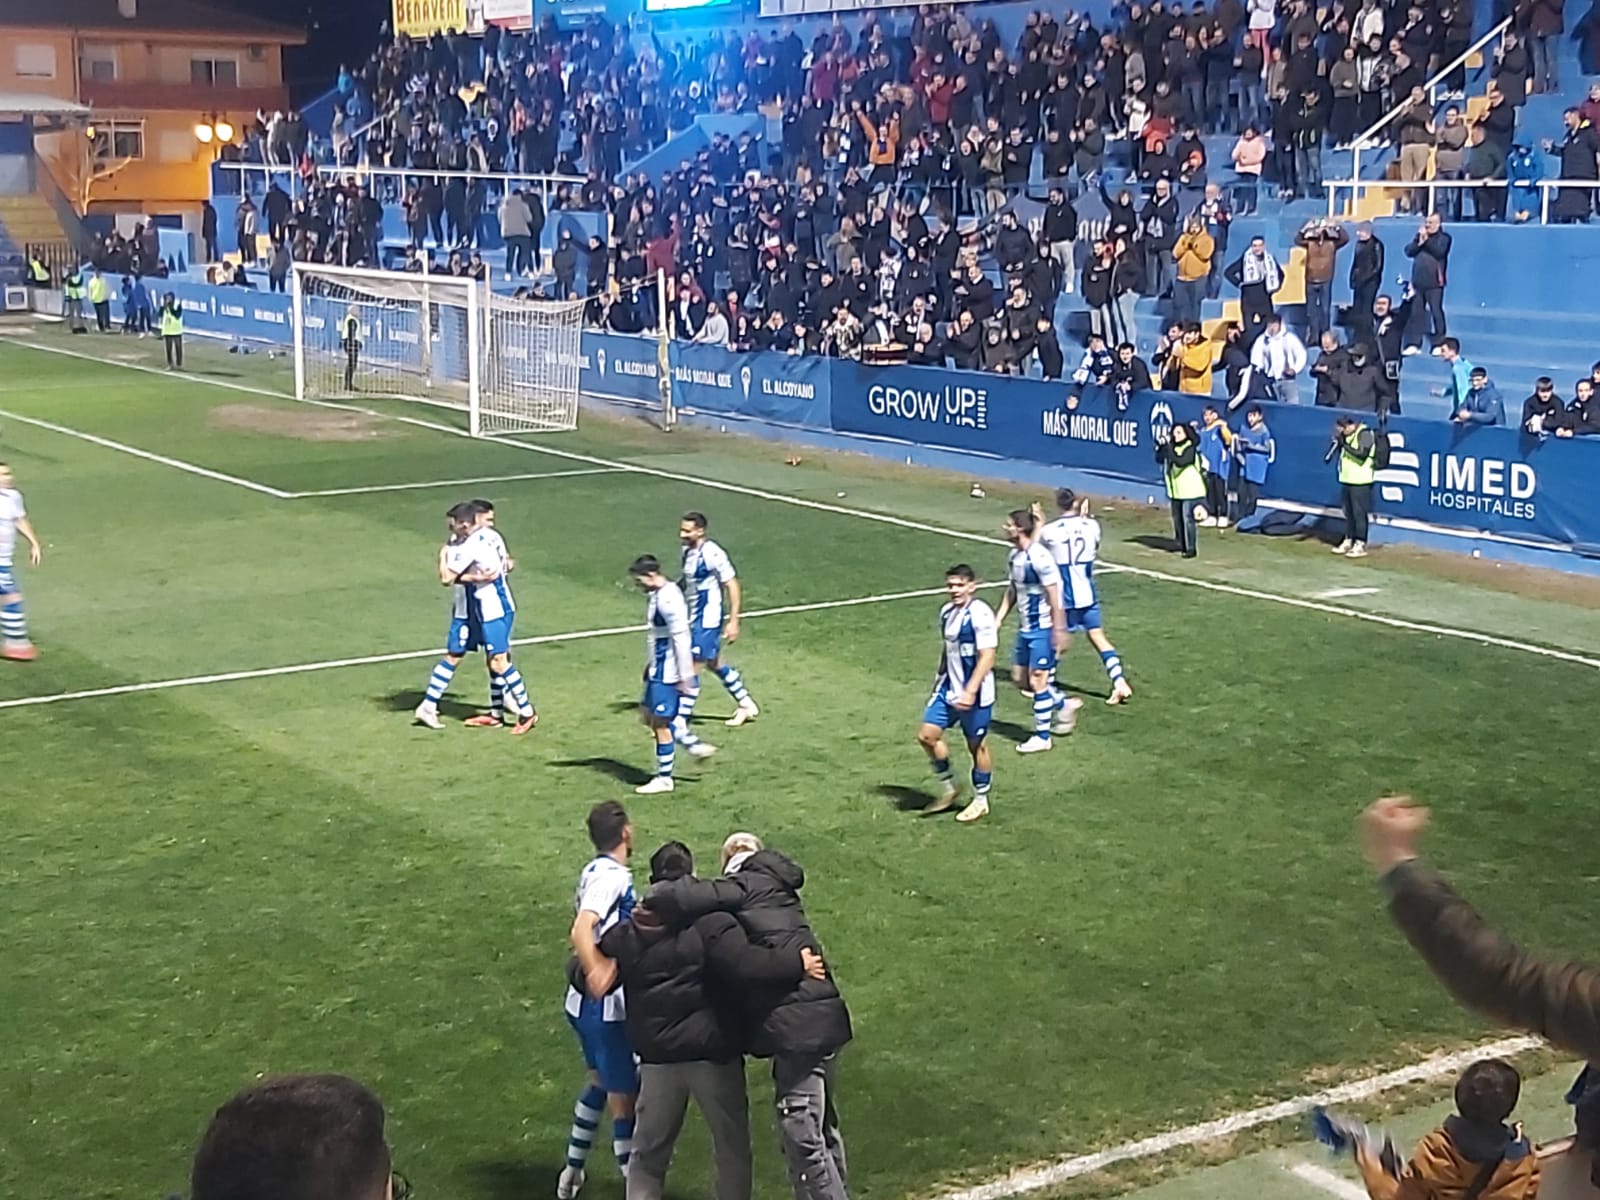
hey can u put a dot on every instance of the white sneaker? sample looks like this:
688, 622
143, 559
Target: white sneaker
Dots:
1067, 717
1222, 522
946, 800
1120, 690
570, 1183
1035, 745
702, 750
1343, 547
428, 714
1438, 351
657, 786
1207, 523
978, 808
747, 711
1357, 550
1410, 350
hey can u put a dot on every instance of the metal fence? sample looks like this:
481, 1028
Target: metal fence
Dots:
59, 257
388, 183
1478, 199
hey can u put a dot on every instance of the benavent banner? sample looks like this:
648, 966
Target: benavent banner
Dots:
424, 18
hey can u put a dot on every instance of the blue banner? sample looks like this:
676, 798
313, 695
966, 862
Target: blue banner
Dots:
1500, 481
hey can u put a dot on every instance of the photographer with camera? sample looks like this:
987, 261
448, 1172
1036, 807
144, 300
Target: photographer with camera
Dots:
1356, 448
1178, 453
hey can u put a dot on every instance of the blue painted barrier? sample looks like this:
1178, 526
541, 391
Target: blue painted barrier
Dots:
1499, 481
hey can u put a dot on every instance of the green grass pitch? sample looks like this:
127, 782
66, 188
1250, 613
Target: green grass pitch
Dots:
1163, 920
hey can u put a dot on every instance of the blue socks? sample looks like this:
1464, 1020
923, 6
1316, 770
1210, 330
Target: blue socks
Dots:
734, 682
439, 681
512, 685
622, 1142
1044, 707
585, 1120
941, 768
13, 622
980, 782
680, 724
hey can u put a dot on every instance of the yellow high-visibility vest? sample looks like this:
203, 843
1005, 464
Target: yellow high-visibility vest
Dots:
171, 321
99, 289
1353, 469
1186, 483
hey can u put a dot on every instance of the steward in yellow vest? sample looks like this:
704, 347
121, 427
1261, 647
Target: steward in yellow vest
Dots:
1357, 449
1179, 457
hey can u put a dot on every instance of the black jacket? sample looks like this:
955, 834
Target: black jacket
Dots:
805, 1018
682, 984
1367, 265
1361, 388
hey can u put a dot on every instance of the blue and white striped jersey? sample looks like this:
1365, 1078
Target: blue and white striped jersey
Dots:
706, 571
669, 657
1074, 542
605, 888
487, 601
1032, 573
967, 629
11, 511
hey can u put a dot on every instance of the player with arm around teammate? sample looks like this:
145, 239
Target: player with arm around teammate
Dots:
595, 1005
1073, 540
14, 643
669, 664
504, 679
963, 692
1034, 591
473, 566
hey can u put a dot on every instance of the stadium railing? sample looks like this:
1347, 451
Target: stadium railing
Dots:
1367, 139
1360, 188
253, 179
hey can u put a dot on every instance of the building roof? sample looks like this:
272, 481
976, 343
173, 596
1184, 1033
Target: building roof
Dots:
150, 17
18, 104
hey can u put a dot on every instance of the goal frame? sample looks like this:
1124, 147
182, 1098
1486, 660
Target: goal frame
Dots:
474, 300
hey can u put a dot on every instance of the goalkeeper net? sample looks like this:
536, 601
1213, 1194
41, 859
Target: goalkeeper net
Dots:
511, 365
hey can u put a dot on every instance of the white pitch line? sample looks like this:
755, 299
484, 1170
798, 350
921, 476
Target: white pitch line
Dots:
1343, 593
165, 685
1355, 614
1325, 1180
438, 483
149, 456
1057, 1173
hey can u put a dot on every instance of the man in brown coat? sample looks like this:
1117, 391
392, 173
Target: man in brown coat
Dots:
1322, 238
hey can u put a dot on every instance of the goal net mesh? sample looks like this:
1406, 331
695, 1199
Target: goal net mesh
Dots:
511, 364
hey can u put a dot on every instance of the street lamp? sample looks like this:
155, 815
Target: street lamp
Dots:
213, 127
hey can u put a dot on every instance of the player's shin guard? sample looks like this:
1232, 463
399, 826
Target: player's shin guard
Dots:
512, 685
664, 757
443, 672
734, 682
14, 621
1113, 663
680, 723
980, 782
585, 1121
622, 1141
1044, 707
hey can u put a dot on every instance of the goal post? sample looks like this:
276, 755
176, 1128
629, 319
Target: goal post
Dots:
511, 365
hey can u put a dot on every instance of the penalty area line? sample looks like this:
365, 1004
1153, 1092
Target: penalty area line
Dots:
1020, 1183
439, 483
367, 660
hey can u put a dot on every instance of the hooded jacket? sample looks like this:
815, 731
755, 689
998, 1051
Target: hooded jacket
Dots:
808, 1017
1449, 1160
682, 983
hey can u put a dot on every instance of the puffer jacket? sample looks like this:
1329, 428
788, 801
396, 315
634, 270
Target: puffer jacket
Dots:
1448, 1161
682, 984
809, 1017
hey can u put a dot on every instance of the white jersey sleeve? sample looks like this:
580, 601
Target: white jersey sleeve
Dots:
12, 510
